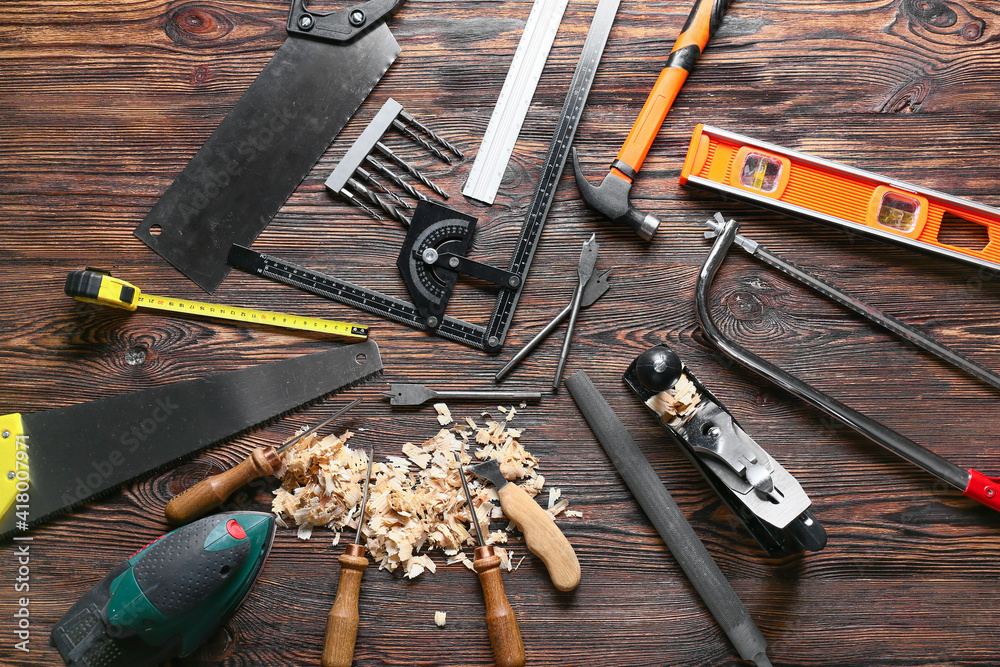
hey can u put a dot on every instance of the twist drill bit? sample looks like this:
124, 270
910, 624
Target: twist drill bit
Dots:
429, 132
420, 140
377, 201
386, 151
352, 198
365, 174
396, 179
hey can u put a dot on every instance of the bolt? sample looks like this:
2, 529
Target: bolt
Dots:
306, 22
493, 341
357, 18
6, 433
514, 281
990, 492
453, 262
10, 475
432, 322
430, 256
714, 432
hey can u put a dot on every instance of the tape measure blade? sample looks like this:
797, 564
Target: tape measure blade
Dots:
514, 100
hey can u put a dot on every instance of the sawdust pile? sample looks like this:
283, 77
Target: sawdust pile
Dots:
416, 503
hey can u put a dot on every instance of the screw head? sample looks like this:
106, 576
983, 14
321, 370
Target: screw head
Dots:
10, 475
357, 18
493, 341
430, 255
714, 432
306, 22
514, 281
6, 433
432, 322
990, 492
453, 262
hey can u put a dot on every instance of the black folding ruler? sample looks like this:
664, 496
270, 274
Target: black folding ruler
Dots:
491, 337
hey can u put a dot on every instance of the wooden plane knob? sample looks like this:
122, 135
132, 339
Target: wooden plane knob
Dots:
505, 636
542, 536
211, 492
342, 622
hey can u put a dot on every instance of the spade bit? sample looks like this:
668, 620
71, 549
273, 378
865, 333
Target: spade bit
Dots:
407, 394
541, 534
766, 497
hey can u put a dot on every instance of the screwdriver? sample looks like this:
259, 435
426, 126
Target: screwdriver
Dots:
505, 636
209, 493
342, 621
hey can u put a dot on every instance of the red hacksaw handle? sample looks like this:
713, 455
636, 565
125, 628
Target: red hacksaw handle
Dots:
984, 489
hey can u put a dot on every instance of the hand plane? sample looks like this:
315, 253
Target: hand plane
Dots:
766, 497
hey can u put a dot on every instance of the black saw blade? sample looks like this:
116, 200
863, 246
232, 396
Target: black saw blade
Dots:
263, 149
444, 230
84, 450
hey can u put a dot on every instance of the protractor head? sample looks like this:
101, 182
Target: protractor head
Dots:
434, 230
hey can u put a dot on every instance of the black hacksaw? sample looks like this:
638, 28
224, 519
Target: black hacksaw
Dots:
55, 459
269, 141
423, 291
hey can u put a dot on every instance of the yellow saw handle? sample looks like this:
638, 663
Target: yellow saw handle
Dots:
13, 460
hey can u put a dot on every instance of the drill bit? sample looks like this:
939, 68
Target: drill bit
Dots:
588, 259
429, 132
342, 621
396, 179
420, 140
377, 201
386, 151
351, 197
368, 176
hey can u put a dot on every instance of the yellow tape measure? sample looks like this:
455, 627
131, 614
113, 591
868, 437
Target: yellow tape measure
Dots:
94, 286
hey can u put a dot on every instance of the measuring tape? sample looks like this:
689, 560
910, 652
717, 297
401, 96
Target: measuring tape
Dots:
515, 98
94, 286
832, 194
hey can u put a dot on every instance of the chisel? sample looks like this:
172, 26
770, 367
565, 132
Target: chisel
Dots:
541, 534
670, 523
211, 492
505, 635
342, 621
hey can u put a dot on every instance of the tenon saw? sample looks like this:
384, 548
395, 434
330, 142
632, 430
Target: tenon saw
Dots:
270, 140
53, 460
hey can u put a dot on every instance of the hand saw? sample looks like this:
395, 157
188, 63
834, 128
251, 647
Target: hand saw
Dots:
270, 140
53, 460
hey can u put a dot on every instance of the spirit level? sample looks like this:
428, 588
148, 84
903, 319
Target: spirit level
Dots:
93, 286
865, 203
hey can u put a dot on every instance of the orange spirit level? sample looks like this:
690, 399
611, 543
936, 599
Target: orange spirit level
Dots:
865, 203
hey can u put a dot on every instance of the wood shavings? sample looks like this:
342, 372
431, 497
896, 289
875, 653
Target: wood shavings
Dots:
573, 513
416, 503
444, 414
676, 405
554, 494
558, 507
440, 618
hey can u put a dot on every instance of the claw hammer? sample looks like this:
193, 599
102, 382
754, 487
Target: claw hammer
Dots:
611, 197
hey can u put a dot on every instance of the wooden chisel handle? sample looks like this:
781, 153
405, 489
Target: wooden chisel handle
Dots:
542, 536
505, 636
209, 493
342, 621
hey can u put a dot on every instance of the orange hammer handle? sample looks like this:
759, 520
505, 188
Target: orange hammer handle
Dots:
705, 17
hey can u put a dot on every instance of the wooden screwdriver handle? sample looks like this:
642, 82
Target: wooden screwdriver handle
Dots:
211, 492
542, 536
342, 622
505, 636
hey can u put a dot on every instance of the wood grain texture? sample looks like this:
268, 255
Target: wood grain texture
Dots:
102, 104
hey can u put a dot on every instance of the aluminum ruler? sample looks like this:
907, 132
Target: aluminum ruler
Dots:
515, 98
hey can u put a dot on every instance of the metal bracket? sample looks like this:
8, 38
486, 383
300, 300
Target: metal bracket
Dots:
341, 25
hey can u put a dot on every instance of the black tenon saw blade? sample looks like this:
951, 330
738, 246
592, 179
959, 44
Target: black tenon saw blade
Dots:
53, 460
270, 140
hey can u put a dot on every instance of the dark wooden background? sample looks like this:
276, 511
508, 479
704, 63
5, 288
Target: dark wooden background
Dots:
103, 103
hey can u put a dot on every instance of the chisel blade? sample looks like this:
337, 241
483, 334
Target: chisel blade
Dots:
81, 451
